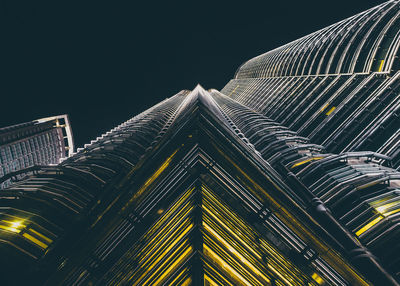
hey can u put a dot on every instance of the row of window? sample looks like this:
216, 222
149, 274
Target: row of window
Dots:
41, 149
346, 183
362, 43
342, 113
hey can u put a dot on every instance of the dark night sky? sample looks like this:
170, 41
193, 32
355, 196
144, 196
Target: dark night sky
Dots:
103, 63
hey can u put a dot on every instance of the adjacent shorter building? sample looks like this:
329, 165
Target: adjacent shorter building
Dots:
43, 141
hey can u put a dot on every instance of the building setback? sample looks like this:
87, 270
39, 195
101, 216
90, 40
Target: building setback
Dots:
25, 146
287, 176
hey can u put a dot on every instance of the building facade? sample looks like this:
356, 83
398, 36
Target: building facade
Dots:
337, 86
287, 176
40, 142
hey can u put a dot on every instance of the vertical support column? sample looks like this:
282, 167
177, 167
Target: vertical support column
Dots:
197, 237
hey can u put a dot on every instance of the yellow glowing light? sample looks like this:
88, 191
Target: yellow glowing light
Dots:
381, 65
217, 275
45, 238
172, 210
235, 252
187, 282
306, 161
330, 111
317, 279
161, 266
278, 273
179, 276
167, 231
155, 247
383, 209
369, 225
152, 265
232, 232
152, 178
216, 258
182, 257
279, 261
324, 107
292, 222
34, 240
14, 226
159, 170
391, 212
209, 280
235, 226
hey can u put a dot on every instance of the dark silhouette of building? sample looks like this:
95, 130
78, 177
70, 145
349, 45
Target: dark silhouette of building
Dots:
288, 176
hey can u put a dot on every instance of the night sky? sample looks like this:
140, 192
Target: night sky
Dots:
103, 63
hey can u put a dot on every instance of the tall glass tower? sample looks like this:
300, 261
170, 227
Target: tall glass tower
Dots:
287, 176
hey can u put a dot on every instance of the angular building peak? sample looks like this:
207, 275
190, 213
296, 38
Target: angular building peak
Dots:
198, 86
189, 192
193, 205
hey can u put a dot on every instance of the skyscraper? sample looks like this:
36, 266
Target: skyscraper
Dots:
288, 176
337, 86
44, 141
